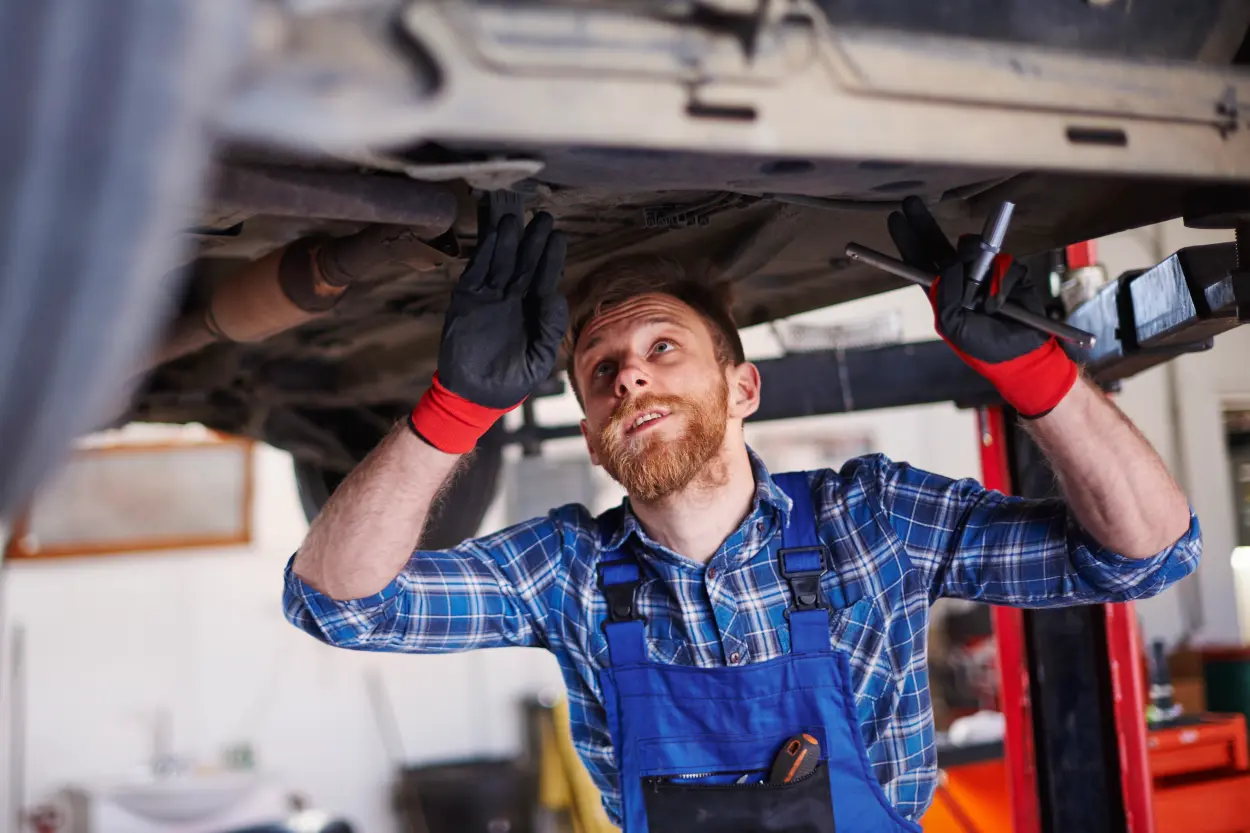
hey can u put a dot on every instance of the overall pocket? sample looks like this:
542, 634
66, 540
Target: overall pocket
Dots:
678, 804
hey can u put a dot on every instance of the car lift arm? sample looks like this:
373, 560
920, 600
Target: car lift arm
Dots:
1141, 319
1146, 317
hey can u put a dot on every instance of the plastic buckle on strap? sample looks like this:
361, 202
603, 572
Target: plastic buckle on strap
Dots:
803, 568
620, 602
620, 599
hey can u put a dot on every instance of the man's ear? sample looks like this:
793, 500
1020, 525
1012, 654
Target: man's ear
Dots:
590, 446
744, 390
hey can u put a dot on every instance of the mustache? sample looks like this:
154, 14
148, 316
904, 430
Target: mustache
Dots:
629, 409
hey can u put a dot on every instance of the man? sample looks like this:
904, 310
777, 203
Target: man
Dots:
742, 651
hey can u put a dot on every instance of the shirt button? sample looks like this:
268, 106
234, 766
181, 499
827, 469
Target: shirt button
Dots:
711, 573
735, 658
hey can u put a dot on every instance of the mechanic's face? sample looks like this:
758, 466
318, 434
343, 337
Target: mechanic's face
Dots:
659, 403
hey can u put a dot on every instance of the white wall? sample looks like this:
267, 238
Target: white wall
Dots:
111, 641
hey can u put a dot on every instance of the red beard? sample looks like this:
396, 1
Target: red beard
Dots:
652, 468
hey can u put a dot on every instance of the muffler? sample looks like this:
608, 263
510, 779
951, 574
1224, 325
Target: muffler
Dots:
302, 281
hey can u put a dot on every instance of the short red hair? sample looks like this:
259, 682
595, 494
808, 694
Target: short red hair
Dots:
625, 278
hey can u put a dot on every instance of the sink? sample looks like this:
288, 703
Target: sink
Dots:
184, 798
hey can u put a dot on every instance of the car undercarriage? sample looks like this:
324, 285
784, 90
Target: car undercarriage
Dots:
354, 142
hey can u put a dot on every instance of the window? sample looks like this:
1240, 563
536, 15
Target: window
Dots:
133, 496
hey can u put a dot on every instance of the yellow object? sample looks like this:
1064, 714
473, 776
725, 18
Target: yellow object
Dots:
563, 782
553, 784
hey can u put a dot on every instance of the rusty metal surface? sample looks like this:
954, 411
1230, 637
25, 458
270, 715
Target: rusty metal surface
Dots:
252, 304
755, 156
300, 282
334, 195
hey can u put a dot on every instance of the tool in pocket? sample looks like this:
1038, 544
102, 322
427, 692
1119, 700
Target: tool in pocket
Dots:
798, 758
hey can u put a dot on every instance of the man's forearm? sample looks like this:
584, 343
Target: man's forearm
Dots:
1114, 481
372, 523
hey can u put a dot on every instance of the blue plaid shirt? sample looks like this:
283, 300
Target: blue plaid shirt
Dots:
900, 538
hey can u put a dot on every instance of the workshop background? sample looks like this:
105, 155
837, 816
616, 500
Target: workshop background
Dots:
184, 654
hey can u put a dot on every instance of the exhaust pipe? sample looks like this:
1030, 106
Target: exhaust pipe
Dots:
300, 282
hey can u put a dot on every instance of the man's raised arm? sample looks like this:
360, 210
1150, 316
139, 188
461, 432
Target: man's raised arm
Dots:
371, 524
1115, 483
1123, 529
500, 338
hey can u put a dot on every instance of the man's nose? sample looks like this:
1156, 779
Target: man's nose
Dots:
631, 380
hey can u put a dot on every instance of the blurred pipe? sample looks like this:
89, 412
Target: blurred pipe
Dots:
300, 282
336, 195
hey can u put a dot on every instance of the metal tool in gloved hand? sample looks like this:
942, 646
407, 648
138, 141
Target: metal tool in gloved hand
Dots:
983, 250
1028, 367
1012, 311
988, 246
501, 335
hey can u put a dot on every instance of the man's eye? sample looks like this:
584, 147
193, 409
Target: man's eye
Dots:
662, 347
602, 369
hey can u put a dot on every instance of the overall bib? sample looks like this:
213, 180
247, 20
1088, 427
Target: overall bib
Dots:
694, 745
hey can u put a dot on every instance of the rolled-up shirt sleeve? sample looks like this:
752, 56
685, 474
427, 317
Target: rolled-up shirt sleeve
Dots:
970, 542
486, 592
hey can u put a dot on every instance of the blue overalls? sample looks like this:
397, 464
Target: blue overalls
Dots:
694, 745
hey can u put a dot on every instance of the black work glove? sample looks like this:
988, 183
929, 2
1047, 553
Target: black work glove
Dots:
501, 335
1028, 367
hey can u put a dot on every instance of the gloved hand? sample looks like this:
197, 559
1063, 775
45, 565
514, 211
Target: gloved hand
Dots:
501, 335
1028, 367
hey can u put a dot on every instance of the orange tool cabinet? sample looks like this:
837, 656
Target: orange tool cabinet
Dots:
1199, 766
1201, 772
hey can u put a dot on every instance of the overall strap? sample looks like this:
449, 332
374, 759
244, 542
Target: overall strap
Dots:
618, 581
803, 560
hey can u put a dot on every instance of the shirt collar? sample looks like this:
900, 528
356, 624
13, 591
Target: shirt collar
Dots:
769, 500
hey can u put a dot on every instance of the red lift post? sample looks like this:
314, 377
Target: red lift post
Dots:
1124, 653
1013, 671
1123, 657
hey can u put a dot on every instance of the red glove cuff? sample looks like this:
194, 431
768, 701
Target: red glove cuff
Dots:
452, 423
1034, 383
